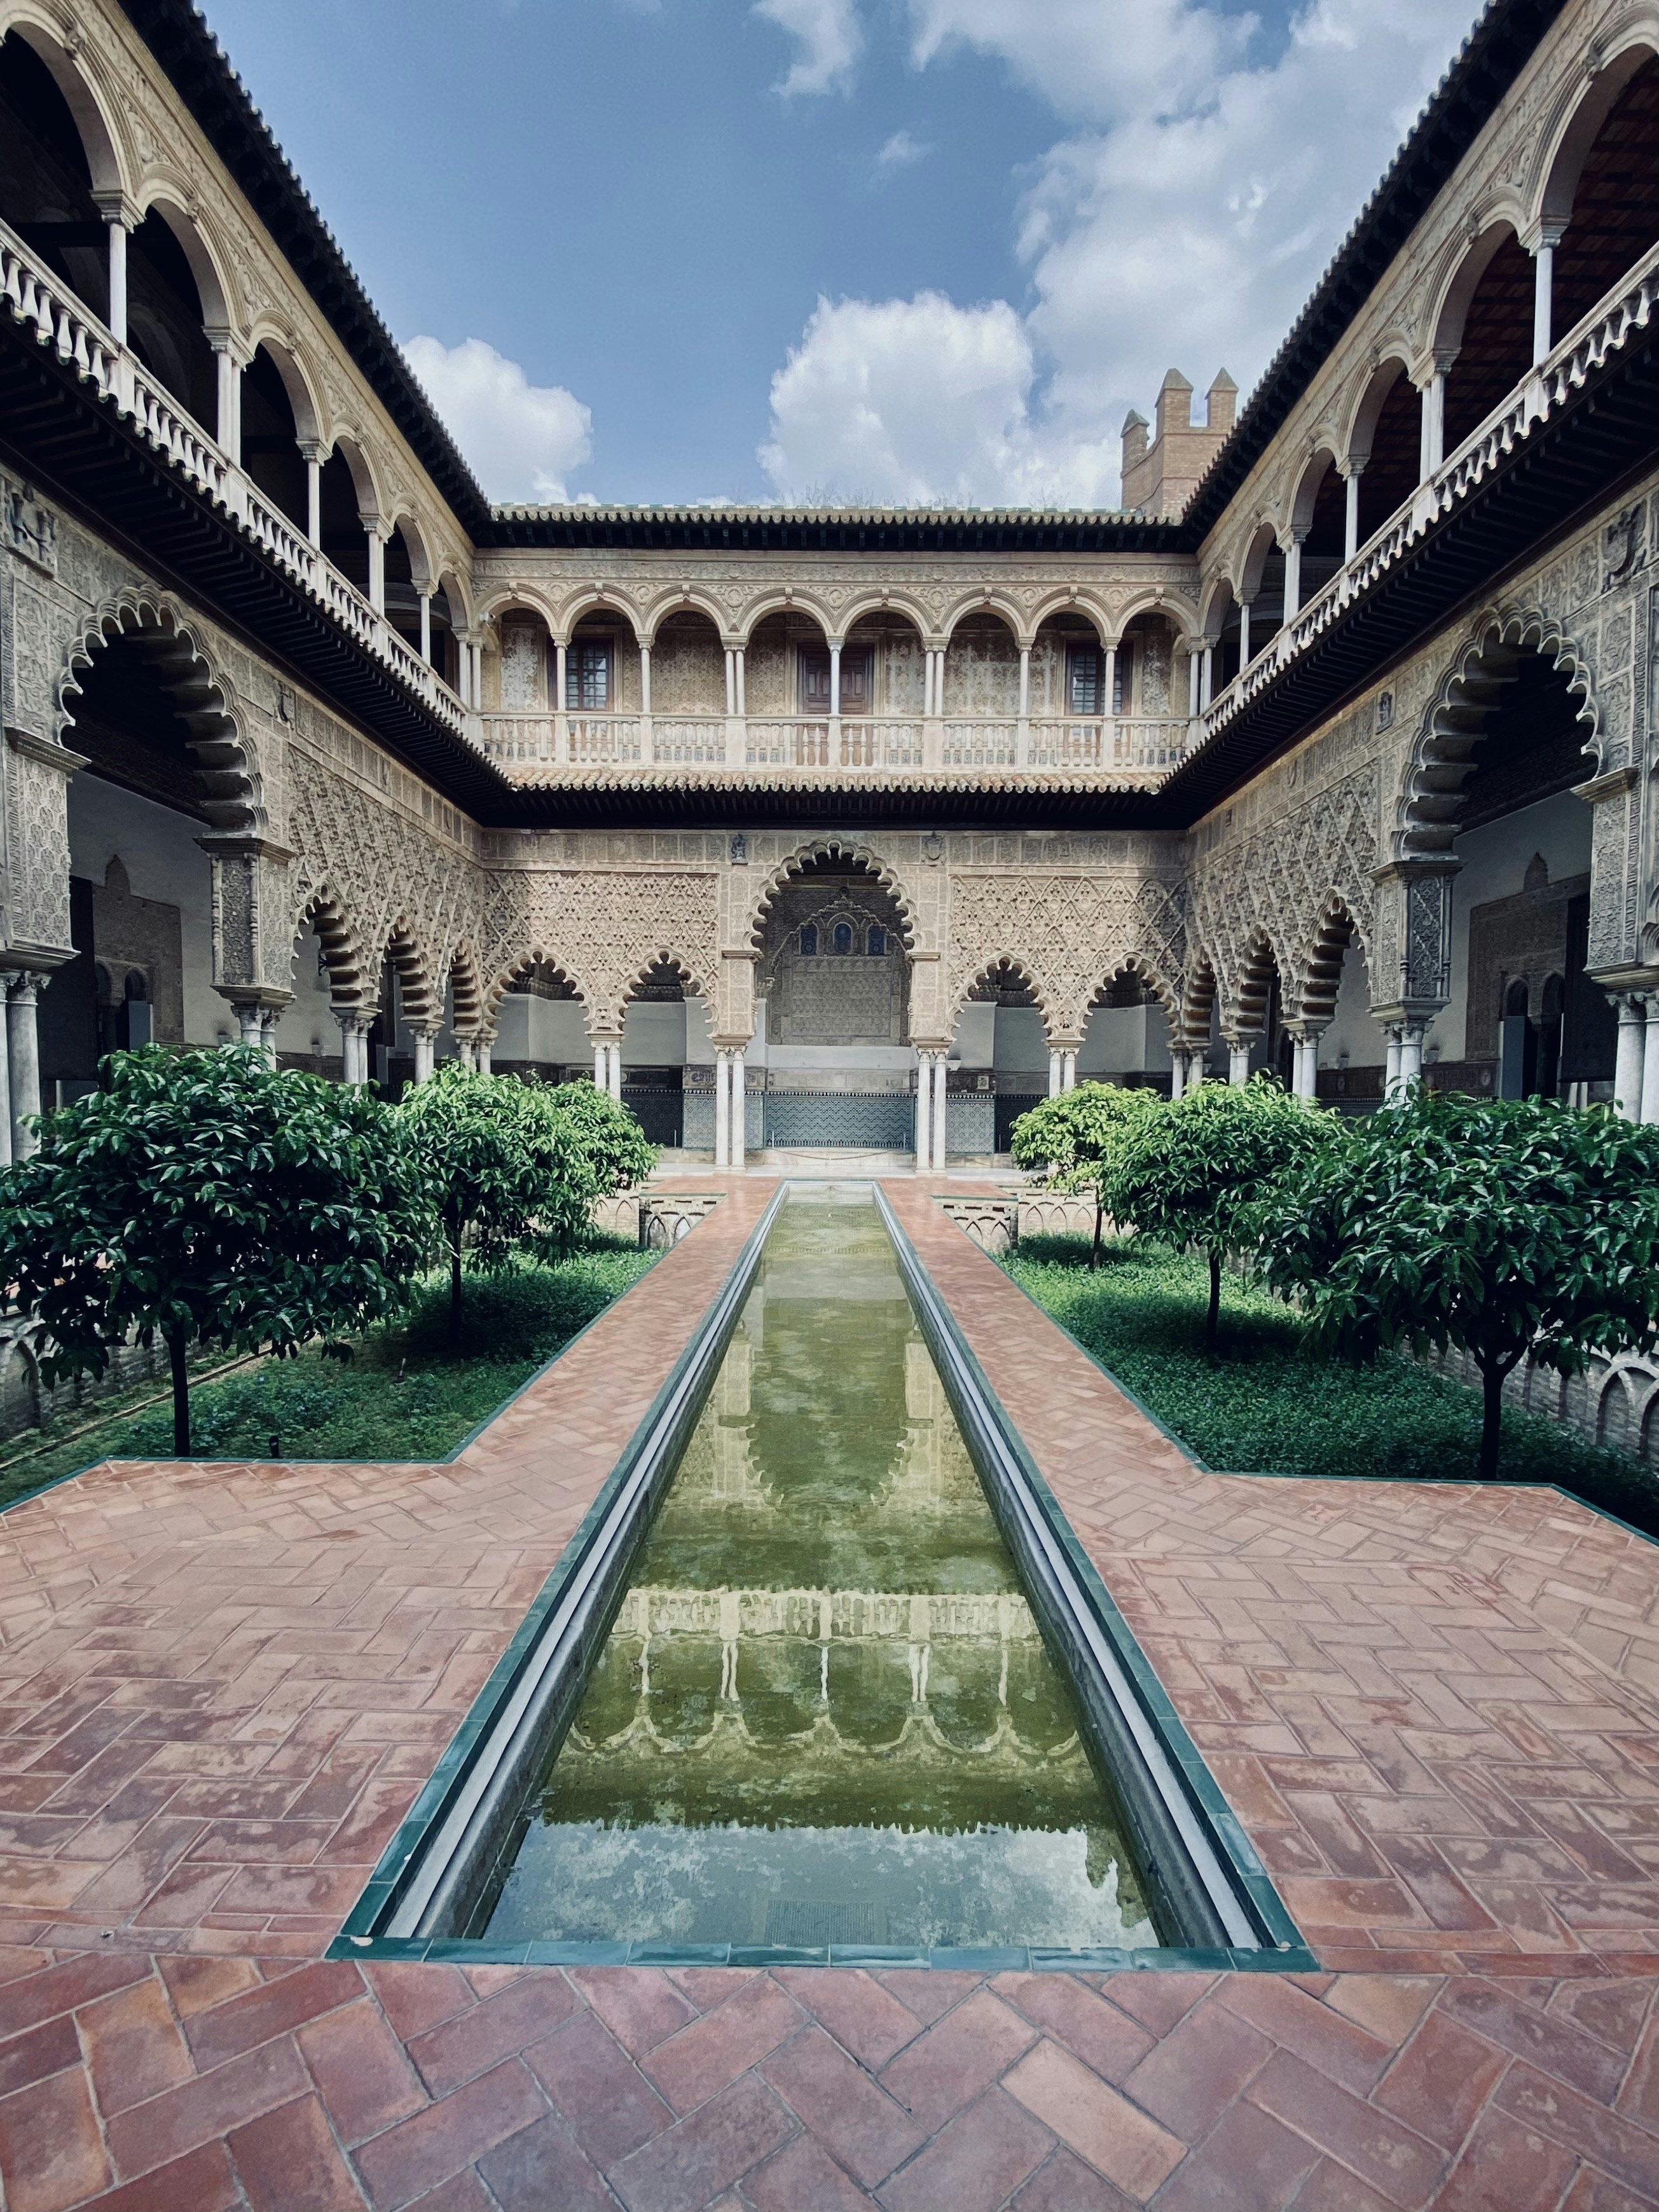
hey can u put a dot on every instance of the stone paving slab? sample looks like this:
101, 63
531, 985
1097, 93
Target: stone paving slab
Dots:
220, 1688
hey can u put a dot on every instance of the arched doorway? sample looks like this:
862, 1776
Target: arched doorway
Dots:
833, 993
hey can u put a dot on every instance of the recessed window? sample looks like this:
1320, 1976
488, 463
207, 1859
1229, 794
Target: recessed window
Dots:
842, 939
587, 677
876, 943
809, 939
1082, 679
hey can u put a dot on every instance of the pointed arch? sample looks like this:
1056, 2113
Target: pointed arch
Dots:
828, 847
1453, 723
203, 696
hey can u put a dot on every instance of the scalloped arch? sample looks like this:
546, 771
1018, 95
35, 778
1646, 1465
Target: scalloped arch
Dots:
353, 980
1047, 999
1318, 972
411, 957
1453, 723
665, 957
227, 764
817, 849
537, 953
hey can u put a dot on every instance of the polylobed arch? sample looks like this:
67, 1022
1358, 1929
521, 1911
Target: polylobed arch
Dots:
1320, 970
232, 797
535, 955
1006, 971
1252, 994
471, 1012
861, 859
404, 953
1192, 1017
1136, 967
663, 962
352, 982
91, 105
1453, 723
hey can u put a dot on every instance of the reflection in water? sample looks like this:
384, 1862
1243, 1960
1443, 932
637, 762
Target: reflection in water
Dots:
824, 1714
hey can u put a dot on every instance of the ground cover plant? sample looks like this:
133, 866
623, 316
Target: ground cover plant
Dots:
1272, 1401
410, 1389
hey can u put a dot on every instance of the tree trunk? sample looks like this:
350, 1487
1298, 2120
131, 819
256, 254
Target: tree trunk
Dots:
1212, 1319
455, 1284
180, 1396
1094, 1256
1491, 1419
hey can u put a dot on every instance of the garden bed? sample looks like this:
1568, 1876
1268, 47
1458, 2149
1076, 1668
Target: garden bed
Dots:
1268, 1405
408, 1392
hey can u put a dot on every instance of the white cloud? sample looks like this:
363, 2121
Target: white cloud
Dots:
902, 402
521, 439
831, 39
901, 151
1182, 221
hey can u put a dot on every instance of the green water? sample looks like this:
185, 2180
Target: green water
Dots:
824, 1714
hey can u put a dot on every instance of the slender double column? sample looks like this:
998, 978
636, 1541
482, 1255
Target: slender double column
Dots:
730, 1107
23, 1064
1304, 1070
930, 1111
354, 1026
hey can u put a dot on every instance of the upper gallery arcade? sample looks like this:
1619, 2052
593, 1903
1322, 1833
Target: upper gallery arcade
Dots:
1330, 750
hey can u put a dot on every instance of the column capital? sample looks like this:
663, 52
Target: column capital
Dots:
118, 206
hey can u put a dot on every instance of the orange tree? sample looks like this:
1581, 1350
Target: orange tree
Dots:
203, 1198
1503, 1226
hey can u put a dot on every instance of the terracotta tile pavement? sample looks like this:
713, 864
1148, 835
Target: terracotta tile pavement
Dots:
220, 1688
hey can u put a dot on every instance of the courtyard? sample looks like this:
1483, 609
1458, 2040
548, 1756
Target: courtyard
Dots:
1430, 1708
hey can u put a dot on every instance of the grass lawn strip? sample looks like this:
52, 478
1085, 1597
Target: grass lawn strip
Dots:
1267, 1405
408, 1392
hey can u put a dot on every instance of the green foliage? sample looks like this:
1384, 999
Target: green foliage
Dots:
609, 1138
1273, 1402
409, 1391
1204, 1168
1070, 1136
1503, 1226
511, 1172
201, 1197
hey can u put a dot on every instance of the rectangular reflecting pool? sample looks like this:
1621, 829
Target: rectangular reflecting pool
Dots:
823, 1713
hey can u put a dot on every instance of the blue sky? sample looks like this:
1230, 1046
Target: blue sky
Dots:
889, 250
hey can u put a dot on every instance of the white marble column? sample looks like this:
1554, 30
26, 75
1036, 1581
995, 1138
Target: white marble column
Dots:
738, 664
482, 1055
424, 1041
1627, 1083
268, 1029
313, 456
23, 1045
1351, 512
645, 680
354, 1045
251, 1024
1391, 1068
1024, 682
1293, 575
1411, 1052
722, 1110
924, 1111
377, 570
1243, 635
5, 1083
117, 231
835, 682
739, 1081
1543, 287
1067, 1070
426, 625
1238, 1064
1193, 671
730, 680
1177, 1070
1056, 1074
228, 431
941, 1114
1650, 1061
600, 1065
615, 1071
1431, 449
1108, 683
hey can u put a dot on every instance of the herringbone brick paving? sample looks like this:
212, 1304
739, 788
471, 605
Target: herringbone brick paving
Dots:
220, 1689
